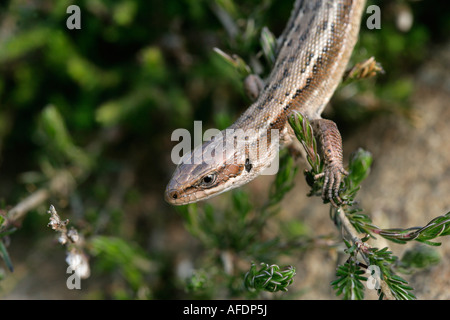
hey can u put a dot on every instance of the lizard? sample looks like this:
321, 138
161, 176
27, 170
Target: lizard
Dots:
313, 52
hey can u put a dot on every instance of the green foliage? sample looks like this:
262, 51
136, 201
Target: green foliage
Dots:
418, 257
5, 256
269, 278
348, 282
197, 282
269, 45
304, 134
284, 180
235, 62
438, 227
55, 136
115, 254
5, 231
359, 168
398, 287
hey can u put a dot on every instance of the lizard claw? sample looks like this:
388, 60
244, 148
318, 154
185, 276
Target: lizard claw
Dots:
333, 178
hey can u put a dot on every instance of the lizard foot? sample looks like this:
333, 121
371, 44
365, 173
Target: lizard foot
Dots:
331, 185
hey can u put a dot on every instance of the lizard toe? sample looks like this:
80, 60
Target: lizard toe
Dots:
332, 183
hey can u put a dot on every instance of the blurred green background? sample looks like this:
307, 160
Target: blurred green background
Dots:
87, 116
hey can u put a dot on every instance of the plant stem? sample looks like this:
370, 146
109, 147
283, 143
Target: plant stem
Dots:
364, 247
27, 204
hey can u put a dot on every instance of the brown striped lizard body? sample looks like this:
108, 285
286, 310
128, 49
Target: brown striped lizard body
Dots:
313, 53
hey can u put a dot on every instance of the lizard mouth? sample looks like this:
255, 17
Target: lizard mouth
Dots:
177, 198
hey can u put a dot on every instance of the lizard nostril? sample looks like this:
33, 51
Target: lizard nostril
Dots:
173, 195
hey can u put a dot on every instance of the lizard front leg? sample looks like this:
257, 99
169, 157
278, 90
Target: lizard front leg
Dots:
331, 143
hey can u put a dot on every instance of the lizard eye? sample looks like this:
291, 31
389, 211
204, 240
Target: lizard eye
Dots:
208, 180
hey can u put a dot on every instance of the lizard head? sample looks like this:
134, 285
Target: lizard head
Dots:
211, 169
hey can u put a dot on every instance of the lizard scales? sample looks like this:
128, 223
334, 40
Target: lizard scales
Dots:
314, 51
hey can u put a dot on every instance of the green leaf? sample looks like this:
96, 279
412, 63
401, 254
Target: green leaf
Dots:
437, 227
269, 45
55, 136
236, 62
349, 281
418, 257
128, 258
284, 180
304, 133
6, 257
359, 167
198, 281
